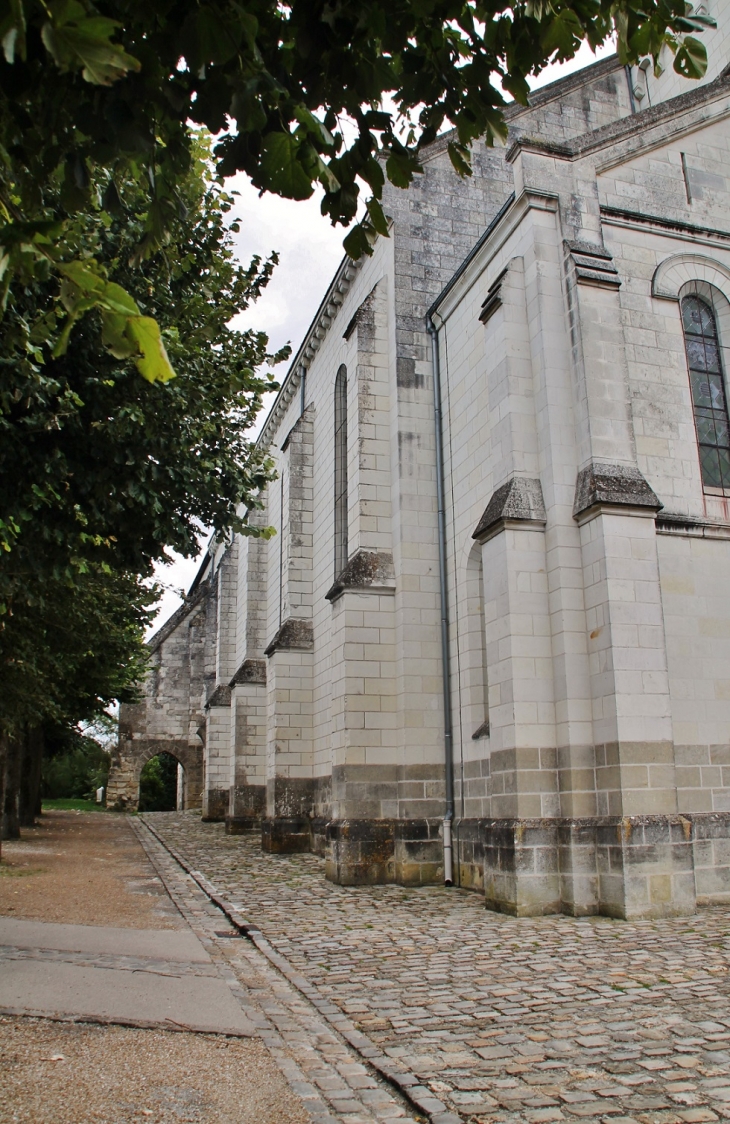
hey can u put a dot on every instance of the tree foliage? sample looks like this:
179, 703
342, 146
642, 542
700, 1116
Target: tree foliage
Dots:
100, 471
92, 86
75, 763
158, 784
97, 466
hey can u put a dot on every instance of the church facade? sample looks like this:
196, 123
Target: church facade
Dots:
489, 642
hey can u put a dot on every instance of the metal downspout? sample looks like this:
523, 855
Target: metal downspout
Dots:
445, 660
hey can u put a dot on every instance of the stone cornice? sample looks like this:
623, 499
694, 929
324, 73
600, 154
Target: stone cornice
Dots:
691, 526
636, 128
667, 227
318, 329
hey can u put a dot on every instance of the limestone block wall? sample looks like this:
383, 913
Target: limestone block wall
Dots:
171, 717
590, 718
554, 371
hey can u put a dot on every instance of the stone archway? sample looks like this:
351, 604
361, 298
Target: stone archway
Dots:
131, 757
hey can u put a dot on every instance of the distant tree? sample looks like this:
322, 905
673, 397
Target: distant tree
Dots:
75, 760
158, 784
65, 655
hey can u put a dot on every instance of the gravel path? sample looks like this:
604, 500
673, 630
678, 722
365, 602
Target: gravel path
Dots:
90, 870
500, 1019
83, 868
56, 1073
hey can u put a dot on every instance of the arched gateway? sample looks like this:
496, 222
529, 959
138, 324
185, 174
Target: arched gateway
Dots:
171, 716
131, 758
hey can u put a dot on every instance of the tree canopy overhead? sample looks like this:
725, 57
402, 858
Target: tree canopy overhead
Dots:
113, 85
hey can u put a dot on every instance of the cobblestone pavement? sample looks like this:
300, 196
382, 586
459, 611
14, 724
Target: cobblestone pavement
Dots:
334, 1083
496, 1018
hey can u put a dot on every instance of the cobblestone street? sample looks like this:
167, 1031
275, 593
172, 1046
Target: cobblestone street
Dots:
486, 1016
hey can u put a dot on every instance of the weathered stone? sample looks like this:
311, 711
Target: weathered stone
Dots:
519, 500
614, 484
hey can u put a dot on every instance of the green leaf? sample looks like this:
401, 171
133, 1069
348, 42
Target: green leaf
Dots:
153, 362
398, 171
691, 59
563, 35
114, 335
459, 156
12, 31
117, 300
355, 243
373, 175
209, 37
85, 45
314, 126
378, 219
84, 276
327, 177
281, 168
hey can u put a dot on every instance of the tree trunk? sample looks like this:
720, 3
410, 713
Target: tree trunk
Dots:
13, 761
30, 780
3, 755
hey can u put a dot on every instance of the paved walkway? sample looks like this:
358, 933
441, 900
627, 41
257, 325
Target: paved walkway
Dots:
134, 977
333, 1082
490, 1018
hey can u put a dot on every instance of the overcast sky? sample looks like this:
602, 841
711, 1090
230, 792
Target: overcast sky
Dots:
310, 249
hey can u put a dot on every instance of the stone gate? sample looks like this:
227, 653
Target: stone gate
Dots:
171, 716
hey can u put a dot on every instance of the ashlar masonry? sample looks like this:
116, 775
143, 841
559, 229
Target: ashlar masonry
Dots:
550, 341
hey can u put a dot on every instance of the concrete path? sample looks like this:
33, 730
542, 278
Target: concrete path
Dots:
139, 977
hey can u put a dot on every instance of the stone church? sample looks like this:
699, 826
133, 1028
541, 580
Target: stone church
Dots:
489, 643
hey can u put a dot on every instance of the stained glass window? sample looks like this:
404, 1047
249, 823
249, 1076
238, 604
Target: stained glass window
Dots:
708, 392
340, 471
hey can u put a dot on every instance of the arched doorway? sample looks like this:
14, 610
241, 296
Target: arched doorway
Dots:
161, 784
130, 758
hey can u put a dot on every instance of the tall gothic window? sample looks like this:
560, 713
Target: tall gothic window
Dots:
340, 470
708, 392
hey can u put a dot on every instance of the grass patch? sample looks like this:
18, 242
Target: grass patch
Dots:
72, 804
18, 871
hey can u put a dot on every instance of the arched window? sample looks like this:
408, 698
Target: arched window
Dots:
340, 470
708, 392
